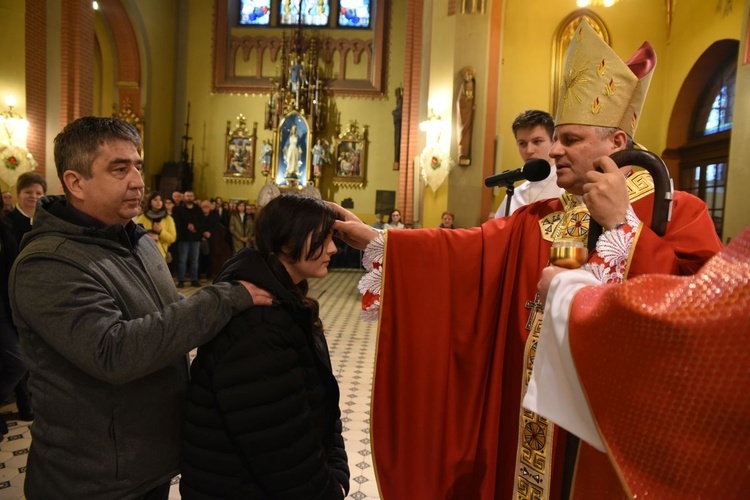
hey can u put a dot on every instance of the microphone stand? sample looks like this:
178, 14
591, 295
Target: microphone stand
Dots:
509, 190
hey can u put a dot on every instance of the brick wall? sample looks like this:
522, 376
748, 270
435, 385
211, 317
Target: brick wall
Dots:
36, 80
77, 60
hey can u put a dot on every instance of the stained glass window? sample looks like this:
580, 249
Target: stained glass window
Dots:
720, 116
255, 12
354, 13
715, 110
305, 12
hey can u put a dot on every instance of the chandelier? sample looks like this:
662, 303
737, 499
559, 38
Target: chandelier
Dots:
603, 3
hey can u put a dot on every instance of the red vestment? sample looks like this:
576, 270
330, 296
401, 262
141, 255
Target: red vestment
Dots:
454, 309
677, 350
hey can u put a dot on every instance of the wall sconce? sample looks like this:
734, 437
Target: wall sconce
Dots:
435, 160
432, 127
13, 126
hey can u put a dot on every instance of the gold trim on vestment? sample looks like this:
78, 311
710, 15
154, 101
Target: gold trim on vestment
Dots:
573, 222
534, 452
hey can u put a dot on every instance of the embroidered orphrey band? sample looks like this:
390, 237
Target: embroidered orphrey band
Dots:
534, 451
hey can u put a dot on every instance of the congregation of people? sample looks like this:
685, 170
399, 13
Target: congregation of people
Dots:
196, 237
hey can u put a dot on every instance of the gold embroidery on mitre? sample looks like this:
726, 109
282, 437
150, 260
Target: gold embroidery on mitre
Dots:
596, 106
602, 67
575, 77
609, 89
588, 55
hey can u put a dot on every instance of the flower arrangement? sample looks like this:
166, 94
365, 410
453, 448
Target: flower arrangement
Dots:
14, 161
436, 164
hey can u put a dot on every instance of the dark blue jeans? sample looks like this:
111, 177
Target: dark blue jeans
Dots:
188, 250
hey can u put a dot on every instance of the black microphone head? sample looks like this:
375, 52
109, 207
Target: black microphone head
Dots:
536, 169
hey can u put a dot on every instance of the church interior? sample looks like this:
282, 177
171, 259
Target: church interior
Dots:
193, 77
369, 107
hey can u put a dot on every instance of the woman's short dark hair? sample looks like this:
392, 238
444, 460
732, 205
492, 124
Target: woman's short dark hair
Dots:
283, 225
27, 179
151, 196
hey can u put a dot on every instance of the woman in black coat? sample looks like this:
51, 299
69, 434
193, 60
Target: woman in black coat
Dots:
263, 418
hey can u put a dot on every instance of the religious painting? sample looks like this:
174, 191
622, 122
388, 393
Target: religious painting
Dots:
255, 13
304, 12
349, 157
292, 152
240, 151
354, 14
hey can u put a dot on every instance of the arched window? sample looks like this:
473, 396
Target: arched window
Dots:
704, 159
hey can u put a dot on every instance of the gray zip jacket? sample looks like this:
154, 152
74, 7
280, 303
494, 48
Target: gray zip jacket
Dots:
105, 338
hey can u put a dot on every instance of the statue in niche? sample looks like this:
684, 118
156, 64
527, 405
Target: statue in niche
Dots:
397, 114
266, 151
292, 152
465, 115
319, 156
295, 74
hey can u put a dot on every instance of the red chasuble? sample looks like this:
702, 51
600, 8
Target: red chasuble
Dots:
453, 327
663, 361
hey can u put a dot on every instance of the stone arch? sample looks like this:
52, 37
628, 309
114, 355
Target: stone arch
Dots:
704, 69
127, 53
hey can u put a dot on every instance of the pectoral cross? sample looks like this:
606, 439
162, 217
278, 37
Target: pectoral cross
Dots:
536, 307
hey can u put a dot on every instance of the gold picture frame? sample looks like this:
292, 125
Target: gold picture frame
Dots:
239, 151
349, 157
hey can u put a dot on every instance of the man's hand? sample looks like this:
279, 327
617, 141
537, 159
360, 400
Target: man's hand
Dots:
606, 193
548, 273
156, 227
350, 229
260, 296
191, 227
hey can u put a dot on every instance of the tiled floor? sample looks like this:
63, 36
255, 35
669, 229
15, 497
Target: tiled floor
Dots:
352, 346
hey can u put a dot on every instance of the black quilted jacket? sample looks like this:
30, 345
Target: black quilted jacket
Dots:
262, 417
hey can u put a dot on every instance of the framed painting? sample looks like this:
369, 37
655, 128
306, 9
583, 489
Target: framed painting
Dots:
350, 157
239, 153
292, 152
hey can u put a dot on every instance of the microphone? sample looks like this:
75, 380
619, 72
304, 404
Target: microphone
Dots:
535, 169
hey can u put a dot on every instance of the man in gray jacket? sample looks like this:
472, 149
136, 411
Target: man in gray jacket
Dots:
103, 329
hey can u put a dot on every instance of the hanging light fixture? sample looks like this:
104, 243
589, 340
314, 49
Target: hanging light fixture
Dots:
13, 126
603, 3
